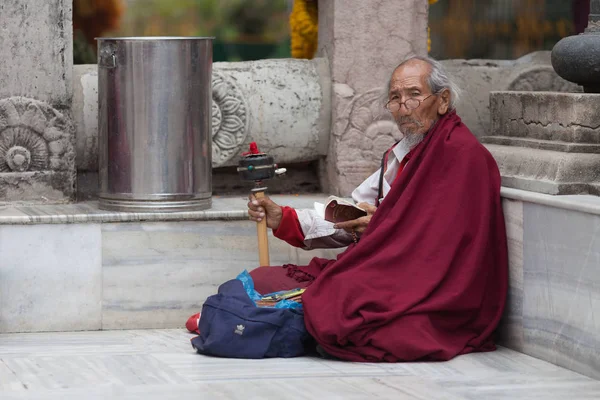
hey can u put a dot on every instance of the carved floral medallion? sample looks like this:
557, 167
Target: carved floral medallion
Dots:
33, 136
229, 119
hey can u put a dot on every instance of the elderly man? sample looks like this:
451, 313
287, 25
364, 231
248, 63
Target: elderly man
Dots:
424, 276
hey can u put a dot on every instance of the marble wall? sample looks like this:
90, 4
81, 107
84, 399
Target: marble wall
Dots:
90, 276
155, 275
511, 328
49, 277
554, 285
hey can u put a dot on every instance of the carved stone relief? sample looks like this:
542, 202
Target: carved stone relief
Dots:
541, 79
369, 128
229, 119
35, 144
367, 131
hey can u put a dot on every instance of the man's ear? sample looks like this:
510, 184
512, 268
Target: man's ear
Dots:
444, 102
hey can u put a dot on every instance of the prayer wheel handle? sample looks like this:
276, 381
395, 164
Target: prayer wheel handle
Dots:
258, 167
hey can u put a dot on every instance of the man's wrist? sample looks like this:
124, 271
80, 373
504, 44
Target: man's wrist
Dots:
278, 218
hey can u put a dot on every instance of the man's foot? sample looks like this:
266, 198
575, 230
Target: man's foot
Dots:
192, 323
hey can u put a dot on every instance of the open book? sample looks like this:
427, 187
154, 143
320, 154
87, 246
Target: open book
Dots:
339, 210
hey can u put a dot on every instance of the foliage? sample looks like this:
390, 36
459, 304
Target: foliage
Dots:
227, 20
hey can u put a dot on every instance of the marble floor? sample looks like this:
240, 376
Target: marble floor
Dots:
160, 364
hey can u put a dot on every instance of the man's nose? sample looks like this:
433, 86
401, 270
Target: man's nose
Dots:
403, 111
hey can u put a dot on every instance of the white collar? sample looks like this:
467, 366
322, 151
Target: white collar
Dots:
400, 150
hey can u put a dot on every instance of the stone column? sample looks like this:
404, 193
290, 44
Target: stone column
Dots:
36, 133
363, 42
577, 58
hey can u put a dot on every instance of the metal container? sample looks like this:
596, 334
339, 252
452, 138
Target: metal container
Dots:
154, 123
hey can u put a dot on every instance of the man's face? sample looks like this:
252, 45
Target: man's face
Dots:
409, 82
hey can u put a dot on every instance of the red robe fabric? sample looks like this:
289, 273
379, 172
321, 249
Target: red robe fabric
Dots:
428, 278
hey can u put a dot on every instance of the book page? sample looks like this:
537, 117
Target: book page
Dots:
338, 210
341, 201
320, 209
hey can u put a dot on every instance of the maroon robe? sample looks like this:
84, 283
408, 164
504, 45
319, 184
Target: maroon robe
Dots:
429, 276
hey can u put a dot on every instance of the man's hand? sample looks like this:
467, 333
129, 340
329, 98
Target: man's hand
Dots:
358, 225
265, 207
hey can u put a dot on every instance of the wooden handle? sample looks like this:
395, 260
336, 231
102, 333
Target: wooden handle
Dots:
263, 241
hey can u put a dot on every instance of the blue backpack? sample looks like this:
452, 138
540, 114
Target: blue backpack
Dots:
231, 325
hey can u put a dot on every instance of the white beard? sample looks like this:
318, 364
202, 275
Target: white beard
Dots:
411, 140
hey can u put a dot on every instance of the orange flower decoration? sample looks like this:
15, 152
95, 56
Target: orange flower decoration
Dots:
95, 17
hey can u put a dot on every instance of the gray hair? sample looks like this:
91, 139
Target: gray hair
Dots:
438, 79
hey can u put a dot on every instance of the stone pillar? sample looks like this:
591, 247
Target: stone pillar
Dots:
37, 158
577, 58
363, 42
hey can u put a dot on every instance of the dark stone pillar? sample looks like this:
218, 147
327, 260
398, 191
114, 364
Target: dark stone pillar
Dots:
577, 58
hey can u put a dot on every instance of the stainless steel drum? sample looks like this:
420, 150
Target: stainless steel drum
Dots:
154, 122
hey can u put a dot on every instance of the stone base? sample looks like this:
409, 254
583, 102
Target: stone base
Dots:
549, 172
51, 187
546, 142
477, 78
37, 156
300, 178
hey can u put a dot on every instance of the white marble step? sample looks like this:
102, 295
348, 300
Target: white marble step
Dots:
160, 364
223, 208
86, 269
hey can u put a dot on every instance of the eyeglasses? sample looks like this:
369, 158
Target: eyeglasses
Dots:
410, 104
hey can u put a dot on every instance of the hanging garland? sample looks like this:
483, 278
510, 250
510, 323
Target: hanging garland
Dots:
304, 26
95, 17
91, 19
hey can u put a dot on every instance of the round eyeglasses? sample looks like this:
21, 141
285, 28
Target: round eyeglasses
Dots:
410, 104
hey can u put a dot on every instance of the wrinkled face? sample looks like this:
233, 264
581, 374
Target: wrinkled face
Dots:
414, 107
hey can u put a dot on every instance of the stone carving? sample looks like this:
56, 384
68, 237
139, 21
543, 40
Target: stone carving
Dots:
369, 128
367, 132
21, 150
541, 79
35, 144
229, 119
33, 136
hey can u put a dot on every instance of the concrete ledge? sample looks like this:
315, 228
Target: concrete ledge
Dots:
560, 117
549, 172
223, 208
583, 203
234, 208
